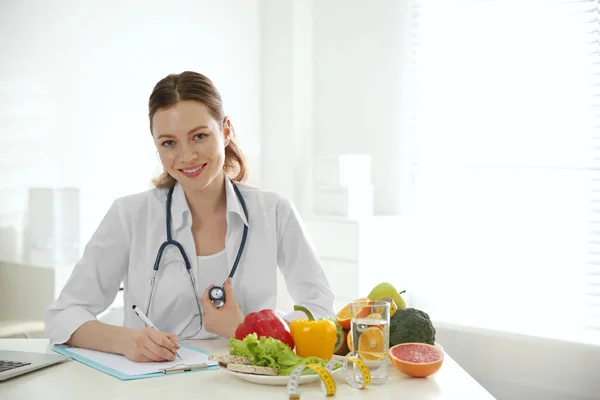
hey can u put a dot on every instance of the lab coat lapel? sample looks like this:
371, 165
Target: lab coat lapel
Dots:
232, 241
235, 225
187, 241
182, 227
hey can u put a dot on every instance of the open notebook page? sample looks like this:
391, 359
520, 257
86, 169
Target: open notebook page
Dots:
122, 364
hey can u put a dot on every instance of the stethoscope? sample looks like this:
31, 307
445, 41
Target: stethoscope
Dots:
217, 293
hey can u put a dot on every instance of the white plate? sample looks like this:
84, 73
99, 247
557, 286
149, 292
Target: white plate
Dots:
276, 380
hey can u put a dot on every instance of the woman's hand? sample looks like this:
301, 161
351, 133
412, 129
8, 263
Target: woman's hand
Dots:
149, 344
225, 320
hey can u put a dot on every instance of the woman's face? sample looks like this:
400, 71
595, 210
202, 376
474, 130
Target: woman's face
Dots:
190, 143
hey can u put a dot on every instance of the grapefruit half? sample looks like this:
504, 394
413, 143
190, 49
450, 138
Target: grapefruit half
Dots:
418, 360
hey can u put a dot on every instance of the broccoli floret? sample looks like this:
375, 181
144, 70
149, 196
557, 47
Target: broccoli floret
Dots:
410, 325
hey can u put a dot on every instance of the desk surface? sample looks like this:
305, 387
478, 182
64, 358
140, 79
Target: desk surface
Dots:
73, 380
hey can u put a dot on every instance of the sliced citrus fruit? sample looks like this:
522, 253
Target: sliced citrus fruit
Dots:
349, 341
418, 360
371, 344
343, 316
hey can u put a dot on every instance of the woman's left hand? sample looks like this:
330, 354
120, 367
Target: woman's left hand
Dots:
225, 320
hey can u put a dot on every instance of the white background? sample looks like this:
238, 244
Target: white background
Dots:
300, 80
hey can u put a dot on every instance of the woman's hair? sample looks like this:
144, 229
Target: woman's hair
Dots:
190, 85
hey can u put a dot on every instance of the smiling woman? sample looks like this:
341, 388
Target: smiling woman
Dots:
186, 100
200, 224
196, 145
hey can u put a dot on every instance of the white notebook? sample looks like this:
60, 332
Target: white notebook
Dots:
125, 366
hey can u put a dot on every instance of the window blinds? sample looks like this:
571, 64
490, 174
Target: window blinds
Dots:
505, 126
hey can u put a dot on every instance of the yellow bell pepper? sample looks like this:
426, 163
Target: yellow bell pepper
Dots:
313, 337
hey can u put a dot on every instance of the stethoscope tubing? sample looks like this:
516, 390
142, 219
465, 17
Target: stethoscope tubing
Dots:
171, 241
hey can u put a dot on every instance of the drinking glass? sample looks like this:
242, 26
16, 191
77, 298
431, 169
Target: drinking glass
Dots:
370, 336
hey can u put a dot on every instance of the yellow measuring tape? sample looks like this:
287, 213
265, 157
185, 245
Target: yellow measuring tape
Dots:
327, 382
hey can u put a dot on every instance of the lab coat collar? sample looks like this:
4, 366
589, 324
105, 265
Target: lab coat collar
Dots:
233, 203
180, 210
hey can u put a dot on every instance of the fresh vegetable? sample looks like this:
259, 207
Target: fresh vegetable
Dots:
313, 337
265, 323
270, 352
410, 325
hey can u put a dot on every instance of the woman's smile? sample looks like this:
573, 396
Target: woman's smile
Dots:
193, 171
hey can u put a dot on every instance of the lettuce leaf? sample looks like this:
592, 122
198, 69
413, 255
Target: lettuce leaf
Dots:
270, 352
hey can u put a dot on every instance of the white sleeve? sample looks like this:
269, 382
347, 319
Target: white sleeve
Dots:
95, 280
300, 265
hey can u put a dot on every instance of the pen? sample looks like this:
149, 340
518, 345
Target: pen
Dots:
184, 369
145, 319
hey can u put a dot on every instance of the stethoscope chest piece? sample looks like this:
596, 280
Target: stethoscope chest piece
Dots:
217, 296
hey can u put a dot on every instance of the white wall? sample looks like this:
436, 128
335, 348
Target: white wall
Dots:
332, 84
287, 99
305, 78
358, 88
75, 77
358, 98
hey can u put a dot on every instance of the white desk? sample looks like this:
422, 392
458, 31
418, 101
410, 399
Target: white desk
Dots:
73, 380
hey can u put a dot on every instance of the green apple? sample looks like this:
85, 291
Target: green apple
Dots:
386, 289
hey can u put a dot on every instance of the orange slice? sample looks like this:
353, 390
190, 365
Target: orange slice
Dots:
343, 316
349, 341
371, 345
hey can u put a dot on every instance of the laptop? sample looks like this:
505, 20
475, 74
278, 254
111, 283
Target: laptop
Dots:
15, 363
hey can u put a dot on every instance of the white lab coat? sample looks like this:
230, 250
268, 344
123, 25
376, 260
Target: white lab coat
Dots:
125, 245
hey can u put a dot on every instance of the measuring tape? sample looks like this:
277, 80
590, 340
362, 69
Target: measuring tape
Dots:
327, 382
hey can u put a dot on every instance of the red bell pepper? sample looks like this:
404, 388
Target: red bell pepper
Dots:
265, 323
